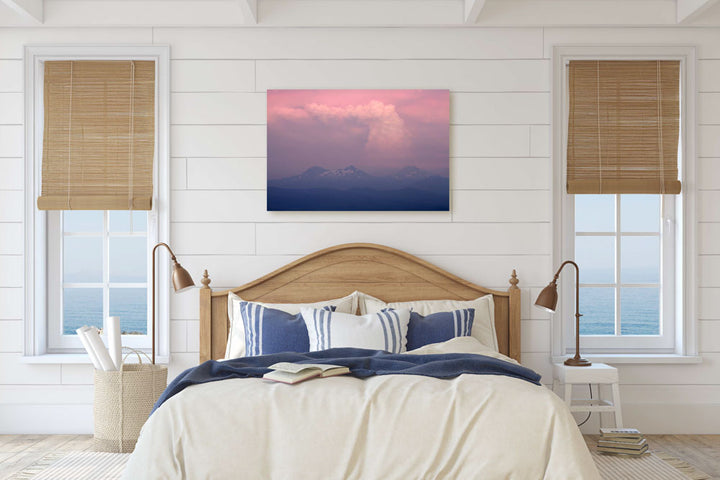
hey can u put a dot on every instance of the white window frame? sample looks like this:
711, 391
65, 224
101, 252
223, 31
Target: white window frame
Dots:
37, 279
56, 340
663, 343
678, 225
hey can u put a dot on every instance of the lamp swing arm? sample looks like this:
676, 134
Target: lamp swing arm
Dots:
577, 284
172, 255
181, 280
163, 244
577, 360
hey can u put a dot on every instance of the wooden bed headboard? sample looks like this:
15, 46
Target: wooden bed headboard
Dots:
380, 271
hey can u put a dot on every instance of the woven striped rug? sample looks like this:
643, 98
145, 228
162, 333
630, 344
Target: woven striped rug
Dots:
76, 466
651, 466
110, 466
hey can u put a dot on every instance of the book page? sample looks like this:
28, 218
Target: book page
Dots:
291, 378
323, 366
292, 367
299, 367
335, 371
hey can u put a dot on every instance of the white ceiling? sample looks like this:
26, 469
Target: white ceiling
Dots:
336, 13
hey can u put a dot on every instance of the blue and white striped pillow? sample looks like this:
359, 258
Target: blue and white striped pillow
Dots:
439, 327
377, 331
268, 330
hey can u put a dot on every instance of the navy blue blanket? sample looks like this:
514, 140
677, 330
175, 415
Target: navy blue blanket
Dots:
362, 363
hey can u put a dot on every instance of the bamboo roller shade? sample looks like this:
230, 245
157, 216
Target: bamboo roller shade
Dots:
99, 135
623, 126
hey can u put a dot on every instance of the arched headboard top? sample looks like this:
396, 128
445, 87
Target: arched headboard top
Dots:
383, 272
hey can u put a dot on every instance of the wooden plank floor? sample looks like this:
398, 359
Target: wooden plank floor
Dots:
700, 451
19, 451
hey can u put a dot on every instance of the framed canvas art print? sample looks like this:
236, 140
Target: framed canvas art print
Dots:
359, 150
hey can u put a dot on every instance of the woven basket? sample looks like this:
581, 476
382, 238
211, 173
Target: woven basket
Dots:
123, 402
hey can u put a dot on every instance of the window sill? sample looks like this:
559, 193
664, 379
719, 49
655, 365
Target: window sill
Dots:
640, 358
76, 359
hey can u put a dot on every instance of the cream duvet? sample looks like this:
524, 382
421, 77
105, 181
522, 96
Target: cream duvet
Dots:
383, 427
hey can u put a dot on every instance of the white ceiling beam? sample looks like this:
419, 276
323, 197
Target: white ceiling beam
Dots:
472, 10
249, 10
142, 13
688, 10
352, 13
32, 9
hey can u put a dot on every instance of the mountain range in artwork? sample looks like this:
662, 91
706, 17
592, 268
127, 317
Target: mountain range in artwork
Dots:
361, 150
350, 188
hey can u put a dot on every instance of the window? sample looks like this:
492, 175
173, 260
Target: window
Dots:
635, 250
625, 246
98, 267
85, 265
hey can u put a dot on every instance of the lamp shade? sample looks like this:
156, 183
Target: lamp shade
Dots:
547, 300
181, 279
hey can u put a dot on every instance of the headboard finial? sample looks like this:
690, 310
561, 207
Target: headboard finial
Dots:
514, 279
205, 280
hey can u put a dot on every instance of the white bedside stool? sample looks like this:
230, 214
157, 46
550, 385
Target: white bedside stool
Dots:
597, 373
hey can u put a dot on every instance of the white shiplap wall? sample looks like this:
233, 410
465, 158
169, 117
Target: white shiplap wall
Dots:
501, 214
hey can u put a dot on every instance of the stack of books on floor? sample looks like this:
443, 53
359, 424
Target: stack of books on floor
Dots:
624, 441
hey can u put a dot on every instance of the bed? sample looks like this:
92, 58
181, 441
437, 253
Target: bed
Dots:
384, 426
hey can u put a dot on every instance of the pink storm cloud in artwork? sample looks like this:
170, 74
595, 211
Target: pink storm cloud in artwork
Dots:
376, 131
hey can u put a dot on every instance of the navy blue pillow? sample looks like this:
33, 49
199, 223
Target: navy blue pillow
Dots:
268, 330
439, 327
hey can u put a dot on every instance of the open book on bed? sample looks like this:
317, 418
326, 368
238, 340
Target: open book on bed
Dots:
292, 373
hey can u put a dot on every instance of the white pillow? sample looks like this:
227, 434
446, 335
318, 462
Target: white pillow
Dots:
460, 345
483, 325
377, 331
236, 337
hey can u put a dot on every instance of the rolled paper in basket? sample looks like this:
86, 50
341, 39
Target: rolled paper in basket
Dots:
96, 343
91, 353
114, 341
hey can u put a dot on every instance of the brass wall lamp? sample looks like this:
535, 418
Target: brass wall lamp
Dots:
181, 280
547, 300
